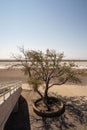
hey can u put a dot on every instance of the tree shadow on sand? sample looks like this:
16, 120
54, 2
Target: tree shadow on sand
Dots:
19, 120
74, 117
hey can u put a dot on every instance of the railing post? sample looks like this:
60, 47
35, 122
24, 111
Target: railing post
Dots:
3, 97
9, 90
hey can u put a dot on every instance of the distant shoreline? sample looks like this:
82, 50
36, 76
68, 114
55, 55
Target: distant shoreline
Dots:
65, 60
81, 64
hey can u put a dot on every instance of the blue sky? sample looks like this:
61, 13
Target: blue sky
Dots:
42, 24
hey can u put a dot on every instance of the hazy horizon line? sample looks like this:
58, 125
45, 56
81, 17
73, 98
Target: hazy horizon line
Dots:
68, 59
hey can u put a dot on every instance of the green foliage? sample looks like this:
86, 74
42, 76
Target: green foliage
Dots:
48, 68
35, 83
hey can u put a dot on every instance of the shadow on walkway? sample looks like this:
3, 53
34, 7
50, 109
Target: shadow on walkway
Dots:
74, 117
19, 120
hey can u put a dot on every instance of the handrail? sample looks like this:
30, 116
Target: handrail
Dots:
11, 89
7, 82
10, 84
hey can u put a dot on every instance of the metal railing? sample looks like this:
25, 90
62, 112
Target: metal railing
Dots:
3, 84
8, 90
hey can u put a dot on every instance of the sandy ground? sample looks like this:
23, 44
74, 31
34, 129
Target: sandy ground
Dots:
64, 90
75, 116
12, 75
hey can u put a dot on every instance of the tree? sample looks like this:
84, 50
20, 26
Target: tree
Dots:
47, 69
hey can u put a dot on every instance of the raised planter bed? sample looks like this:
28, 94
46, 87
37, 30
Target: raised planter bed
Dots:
56, 105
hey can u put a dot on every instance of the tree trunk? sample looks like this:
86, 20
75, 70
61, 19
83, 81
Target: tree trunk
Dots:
45, 99
46, 90
46, 103
46, 93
